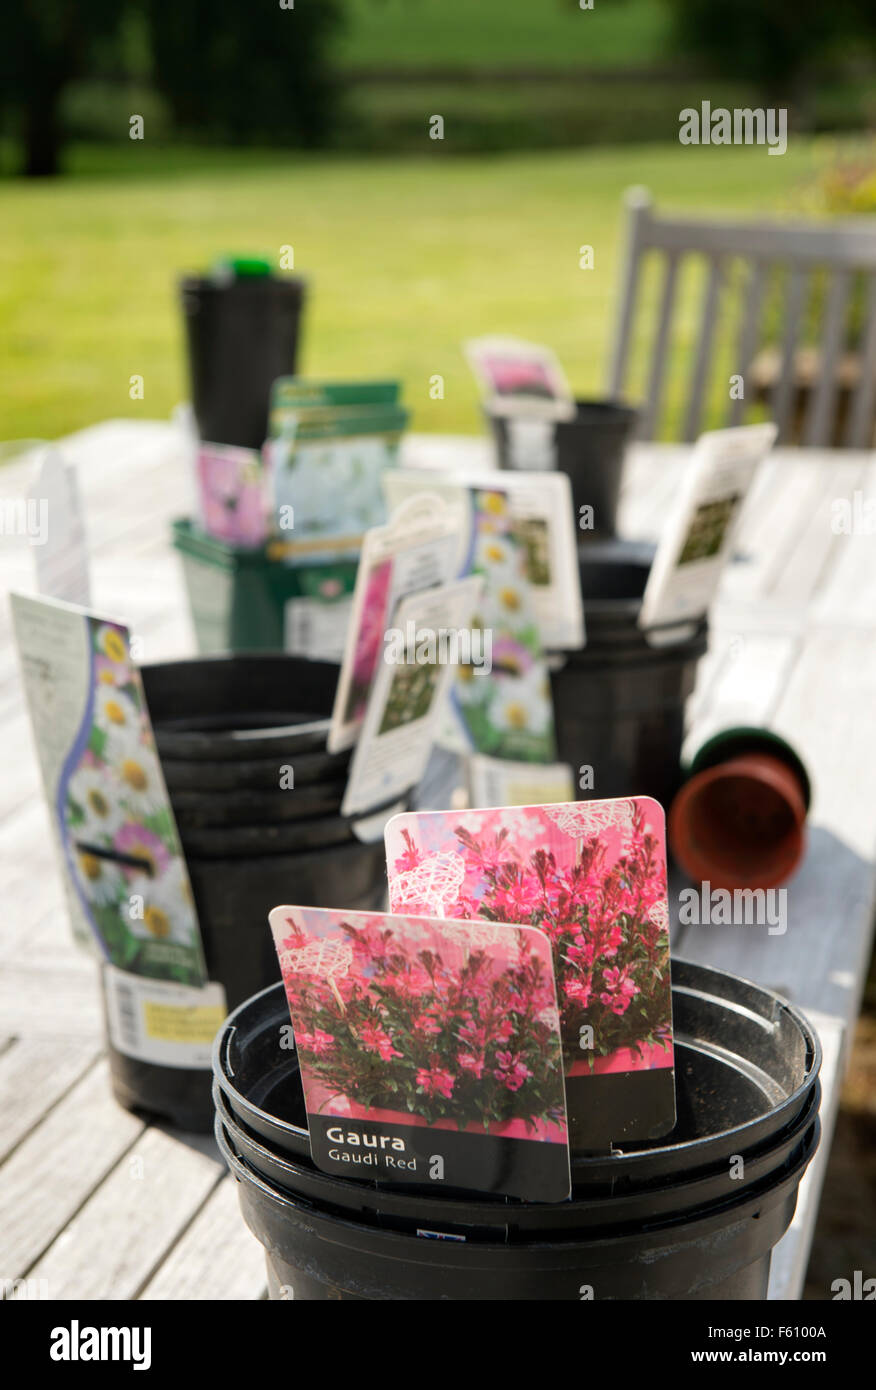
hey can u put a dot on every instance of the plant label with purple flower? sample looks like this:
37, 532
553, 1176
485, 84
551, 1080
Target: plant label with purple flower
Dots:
592, 876
430, 1050
416, 550
124, 873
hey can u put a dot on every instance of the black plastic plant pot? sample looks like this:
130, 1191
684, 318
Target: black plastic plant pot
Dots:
745, 1064
233, 898
207, 810
200, 776
590, 449
250, 841
619, 702
505, 1219
242, 707
241, 334
721, 1252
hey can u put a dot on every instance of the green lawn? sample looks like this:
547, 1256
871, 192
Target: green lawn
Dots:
406, 258
511, 33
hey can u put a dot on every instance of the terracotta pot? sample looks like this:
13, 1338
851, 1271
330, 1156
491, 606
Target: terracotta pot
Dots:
739, 820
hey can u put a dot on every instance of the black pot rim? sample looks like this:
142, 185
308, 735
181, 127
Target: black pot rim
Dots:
688, 1224
628, 1162
477, 1210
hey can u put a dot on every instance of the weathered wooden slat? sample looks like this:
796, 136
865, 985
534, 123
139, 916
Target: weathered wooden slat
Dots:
848, 594
34, 1074
703, 355
815, 548
818, 428
791, 1256
57, 1167
113, 1245
217, 1258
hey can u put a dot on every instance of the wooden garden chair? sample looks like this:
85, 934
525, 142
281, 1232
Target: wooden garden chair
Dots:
837, 386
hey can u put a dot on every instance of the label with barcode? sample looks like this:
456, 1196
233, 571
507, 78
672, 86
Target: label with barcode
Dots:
157, 1021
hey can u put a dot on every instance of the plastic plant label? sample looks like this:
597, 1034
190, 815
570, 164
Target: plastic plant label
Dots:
62, 560
124, 873
234, 497
511, 714
498, 782
520, 378
430, 1050
540, 522
166, 1024
415, 551
592, 876
408, 694
696, 543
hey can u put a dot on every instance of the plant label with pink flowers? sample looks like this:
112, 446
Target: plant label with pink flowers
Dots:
415, 551
124, 873
592, 877
430, 1050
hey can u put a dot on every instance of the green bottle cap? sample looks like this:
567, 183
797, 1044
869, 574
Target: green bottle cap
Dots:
240, 267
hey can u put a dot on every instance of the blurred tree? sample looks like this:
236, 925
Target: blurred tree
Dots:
47, 45
775, 43
247, 72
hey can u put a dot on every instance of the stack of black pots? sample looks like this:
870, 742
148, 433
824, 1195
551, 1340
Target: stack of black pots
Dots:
695, 1216
256, 797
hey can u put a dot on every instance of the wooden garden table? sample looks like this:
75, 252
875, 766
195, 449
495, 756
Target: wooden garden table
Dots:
96, 1203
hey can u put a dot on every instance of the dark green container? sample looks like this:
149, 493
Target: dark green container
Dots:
240, 598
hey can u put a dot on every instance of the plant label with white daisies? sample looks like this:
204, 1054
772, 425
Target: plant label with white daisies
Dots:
540, 522
430, 1050
696, 544
591, 875
510, 715
123, 869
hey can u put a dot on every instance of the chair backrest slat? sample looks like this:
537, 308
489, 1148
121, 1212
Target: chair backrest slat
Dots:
859, 427
846, 250
822, 403
638, 219
704, 350
659, 354
751, 316
783, 391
